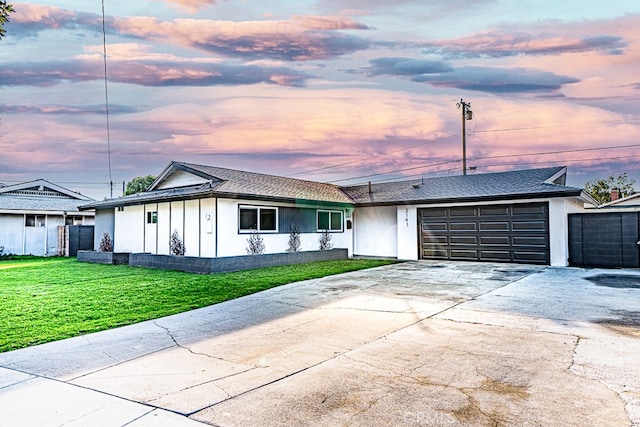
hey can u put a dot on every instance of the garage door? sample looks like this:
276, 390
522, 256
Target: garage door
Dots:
502, 233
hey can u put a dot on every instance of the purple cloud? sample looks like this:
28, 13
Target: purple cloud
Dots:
147, 73
499, 44
396, 66
498, 80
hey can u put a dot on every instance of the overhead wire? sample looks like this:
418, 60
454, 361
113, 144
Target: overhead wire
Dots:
106, 95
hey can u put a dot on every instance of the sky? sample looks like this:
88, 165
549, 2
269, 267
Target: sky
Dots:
341, 91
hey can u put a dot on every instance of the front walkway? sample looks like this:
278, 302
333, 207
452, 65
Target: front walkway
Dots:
419, 343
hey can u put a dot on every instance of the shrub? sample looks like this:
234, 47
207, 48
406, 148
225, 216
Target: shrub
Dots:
325, 241
106, 244
176, 245
256, 244
294, 239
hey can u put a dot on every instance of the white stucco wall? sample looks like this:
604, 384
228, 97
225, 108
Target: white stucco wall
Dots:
559, 210
12, 233
233, 243
209, 228
192, 227
407, 217
163, 228
129, 229
104, 223
375, 231
208, 218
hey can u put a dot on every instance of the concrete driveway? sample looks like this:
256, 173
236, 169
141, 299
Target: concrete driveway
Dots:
414, 344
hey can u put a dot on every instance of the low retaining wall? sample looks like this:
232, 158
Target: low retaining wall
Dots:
96, 257
235, 263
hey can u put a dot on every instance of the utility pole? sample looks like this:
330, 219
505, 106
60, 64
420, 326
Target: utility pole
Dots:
467, 114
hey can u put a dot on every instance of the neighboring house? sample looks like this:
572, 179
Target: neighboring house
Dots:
629, 203
518, 216
31, 212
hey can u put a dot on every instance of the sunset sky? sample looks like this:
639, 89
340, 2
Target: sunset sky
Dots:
344, 91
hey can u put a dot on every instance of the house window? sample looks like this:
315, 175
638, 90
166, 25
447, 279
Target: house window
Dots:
330, 220
34, 221
258, 219
73, 220
152, 217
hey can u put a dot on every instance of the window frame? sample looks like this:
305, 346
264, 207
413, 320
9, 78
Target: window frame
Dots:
258, 210
36, 223
152, 217
330, 212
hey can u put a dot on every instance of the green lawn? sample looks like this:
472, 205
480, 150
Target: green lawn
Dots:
48, 299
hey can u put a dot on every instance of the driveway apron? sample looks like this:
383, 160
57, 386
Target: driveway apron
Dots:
416, 343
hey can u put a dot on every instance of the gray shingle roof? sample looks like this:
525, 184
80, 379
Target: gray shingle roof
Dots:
238, 182
232, 183
25, 203
40, 195
502, 185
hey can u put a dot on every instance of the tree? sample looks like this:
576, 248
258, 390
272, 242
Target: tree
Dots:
5, 10
600, 189
139, 184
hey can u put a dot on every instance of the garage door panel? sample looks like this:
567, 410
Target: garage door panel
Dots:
506, 233
435, 213
494, 226
494, 210
435, 253
540, 226
464, 255
530, 257
538, 209
464, 240
463, 211
495, 240
435, 239
437, 226
463, 226
489, 255
535, 241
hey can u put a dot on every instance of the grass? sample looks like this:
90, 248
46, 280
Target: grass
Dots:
48, 299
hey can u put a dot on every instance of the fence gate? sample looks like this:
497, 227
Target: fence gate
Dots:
604, 239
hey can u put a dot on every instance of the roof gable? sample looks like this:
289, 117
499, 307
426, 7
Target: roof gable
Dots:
237, 183
40, 189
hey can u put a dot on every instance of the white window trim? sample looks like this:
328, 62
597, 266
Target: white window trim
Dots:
150, 217
258, 208
320, 230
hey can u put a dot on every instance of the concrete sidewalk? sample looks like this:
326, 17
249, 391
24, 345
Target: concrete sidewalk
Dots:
419, 343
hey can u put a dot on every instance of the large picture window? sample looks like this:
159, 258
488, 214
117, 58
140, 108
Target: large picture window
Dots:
330, 220
254, 218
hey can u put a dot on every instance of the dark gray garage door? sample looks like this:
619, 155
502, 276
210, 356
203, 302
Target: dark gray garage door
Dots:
503, 233
604, 239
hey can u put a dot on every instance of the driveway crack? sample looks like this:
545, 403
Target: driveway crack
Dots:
196, 353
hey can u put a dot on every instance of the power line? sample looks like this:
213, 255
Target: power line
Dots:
557, 126
433, 141
487, 158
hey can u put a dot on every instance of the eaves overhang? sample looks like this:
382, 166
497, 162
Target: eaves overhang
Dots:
146, 198
471, 199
